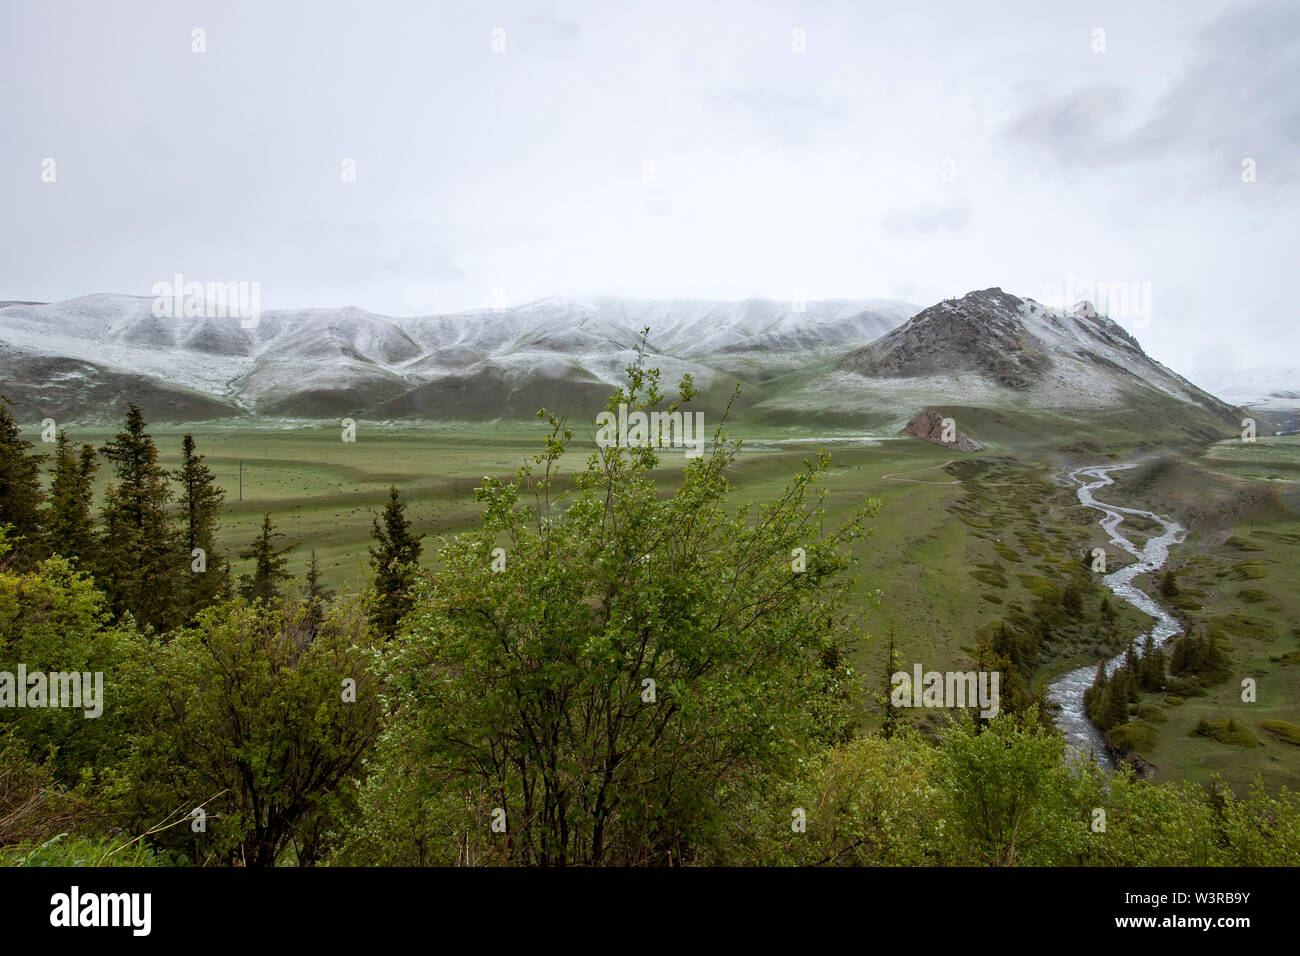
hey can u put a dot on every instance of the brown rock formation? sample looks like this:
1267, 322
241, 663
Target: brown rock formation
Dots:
929, 425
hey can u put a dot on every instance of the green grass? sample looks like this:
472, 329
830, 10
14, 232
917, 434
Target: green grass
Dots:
946, 560
323, 494
72, 850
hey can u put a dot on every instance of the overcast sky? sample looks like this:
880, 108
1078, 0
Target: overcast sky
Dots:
913, 150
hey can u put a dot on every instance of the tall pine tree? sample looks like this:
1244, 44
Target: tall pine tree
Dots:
318, 595
200, 507
1094, 694
269, 565
893, 664
20, 487
138, 561
69, 523
1169, 584
394, 563
317, 592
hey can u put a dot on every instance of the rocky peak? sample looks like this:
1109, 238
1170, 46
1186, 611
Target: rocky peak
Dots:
982, 332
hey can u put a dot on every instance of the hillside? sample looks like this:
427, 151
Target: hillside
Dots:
1001, 356
84, 358
1015, 370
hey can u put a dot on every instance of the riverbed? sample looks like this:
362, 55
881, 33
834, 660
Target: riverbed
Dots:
1067, 690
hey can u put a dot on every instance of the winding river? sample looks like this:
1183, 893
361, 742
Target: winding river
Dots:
1067, 690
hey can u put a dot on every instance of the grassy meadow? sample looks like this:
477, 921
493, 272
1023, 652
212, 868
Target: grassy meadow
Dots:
959, 546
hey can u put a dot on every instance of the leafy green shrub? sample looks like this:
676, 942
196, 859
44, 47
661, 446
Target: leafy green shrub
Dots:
998, 781
1226, 732
1281, 730
1261, 830
1241, 544
1132, 736
1249, 570
260, 716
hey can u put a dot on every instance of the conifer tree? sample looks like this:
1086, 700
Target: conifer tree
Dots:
1130, 665
318, 595
69, 525
394, 564
1116, 700
200, 508
1169, 584
1217, 664
1201, 656
269, 568
1158, 665
1184, 657
20, 487
1151, 673
137, 555
316, 591
892, 667
1071, 600
1094, 696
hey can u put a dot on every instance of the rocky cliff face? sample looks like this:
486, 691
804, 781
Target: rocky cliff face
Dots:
983, 332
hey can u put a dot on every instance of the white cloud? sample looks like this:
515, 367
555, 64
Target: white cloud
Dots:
774, 170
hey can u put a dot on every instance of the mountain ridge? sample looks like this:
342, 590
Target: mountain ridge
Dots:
838, 361
317, 363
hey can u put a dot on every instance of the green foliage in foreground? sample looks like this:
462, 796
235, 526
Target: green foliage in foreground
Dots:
70, 850
259, 717
1007, 795
633, 678
636, 659
1004, 795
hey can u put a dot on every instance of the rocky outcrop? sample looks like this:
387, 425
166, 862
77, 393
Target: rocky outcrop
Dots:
982, 333
929, 425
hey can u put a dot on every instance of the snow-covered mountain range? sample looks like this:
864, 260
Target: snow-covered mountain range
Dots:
85, 358
1268, 386
317, 363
